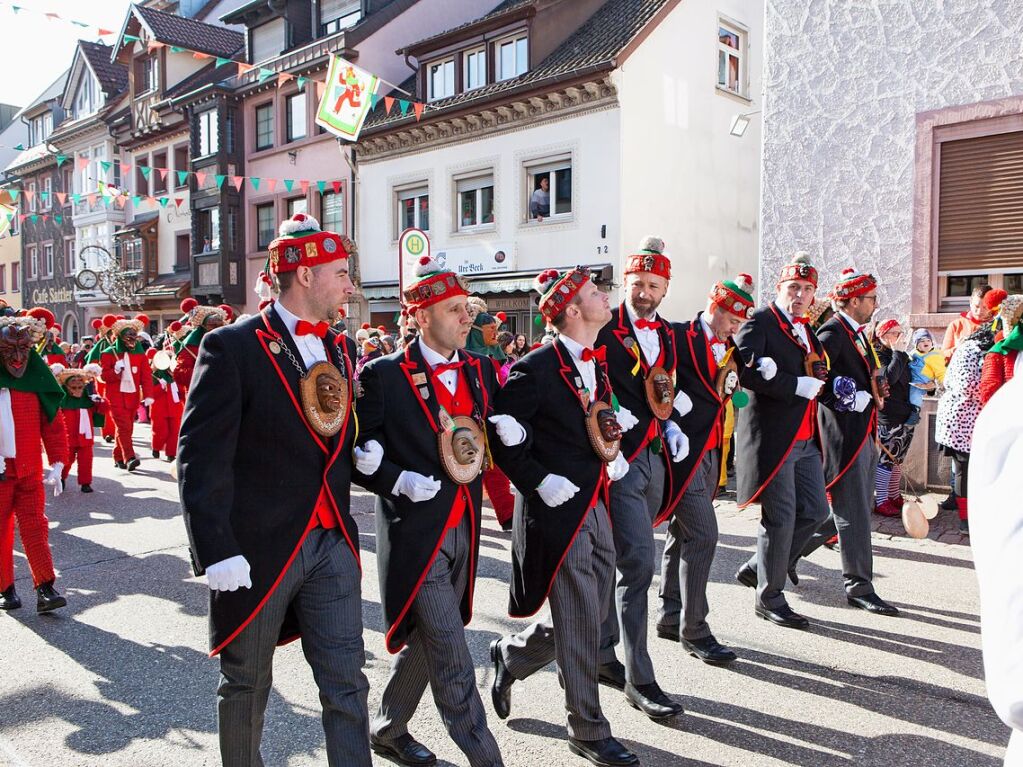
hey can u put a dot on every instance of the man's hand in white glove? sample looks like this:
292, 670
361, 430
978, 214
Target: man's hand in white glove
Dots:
53, 474
682, 403
95, 398
368, 457
3, 464
229, 574
118, 366
863, 400
556, 490
678, 443
510, 431
416, 487
618, 468
625, 418
767, 368
808, 387
163, 384
148, 401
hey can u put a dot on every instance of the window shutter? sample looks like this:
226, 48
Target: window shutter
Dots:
980, 208
268, 40
335, 9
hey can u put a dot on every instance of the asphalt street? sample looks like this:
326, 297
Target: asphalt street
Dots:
121, 676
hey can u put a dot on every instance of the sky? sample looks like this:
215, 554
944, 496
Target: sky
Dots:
37, 50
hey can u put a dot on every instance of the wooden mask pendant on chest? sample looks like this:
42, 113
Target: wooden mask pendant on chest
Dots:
604, 431
461, 444
660, 392
325, 398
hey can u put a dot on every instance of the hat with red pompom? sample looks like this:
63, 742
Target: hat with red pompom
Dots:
853, 284
301, 242
734, 296
43, 314
799, 268
650, 258
557, 289
196, 313
139, 322
96, 323
993, 299
432, 284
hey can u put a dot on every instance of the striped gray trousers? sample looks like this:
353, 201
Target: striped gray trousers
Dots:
436, 654
579, 600
689, 545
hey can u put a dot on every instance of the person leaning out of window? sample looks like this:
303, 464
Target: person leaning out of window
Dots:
540, 202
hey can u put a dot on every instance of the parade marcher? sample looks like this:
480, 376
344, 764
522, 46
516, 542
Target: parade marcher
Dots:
126, 372
165, 413
267, 445
641, 360
49, 347
847, 419
778, 454
201, 320
79, 409
426, 407
708, 369
896, 421
29, 400
103, 341
562, 546
1003, 361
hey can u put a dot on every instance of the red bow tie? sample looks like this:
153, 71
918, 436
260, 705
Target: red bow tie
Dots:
598, 355
303, 328
647, 324
445, 367
800, 320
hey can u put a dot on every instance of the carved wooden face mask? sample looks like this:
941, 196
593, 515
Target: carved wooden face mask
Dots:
324, 398
15, 347
213, 322
129, 337
610, 429
75, 386
465, 446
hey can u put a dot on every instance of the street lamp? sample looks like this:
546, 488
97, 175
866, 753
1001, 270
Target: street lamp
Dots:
740, 123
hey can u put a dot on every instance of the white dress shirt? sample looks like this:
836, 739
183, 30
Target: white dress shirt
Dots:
309, 346
717, 348
587, 370
799, 326
648, 339
433, 358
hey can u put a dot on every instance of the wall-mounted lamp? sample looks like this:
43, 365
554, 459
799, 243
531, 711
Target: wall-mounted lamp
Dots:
740, 123
293, 156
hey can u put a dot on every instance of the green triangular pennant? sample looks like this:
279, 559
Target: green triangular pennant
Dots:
302, 81
19, 147
163, 202
136, 200
76, 198
288, 183
403, 105
255, 182
14, 194
61, 159
177, 49
266, 74
58, 218
108, 165
321, 185
146, 170
220, 180
182, 177
373, 99
132, 38
34, 218
221, 62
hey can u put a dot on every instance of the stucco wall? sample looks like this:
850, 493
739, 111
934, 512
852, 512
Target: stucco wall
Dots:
843, 83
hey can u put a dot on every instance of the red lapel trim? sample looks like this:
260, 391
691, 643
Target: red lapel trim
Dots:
787, 328
408, 365
568, 368
694, 328
852, 339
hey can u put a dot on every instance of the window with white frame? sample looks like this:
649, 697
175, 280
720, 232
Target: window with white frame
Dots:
86, 101
40, 129
266, 227
550, 190
413, 209
336, 15
33, 197
207, 133
475, 202
70, 256
32, 256
48, 260
265, 125
296, 117
147, 73
15, 277
440, 79
512, 55
297, 205
474, 68
46, 195
332, 212
732, 42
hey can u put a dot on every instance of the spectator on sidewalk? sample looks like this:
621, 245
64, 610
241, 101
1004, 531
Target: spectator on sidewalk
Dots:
968, 322
1003, 361
540, 202
896, 421
926, 368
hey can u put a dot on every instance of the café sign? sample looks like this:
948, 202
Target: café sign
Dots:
43, 296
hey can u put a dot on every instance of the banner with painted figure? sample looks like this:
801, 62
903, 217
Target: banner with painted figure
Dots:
346, 99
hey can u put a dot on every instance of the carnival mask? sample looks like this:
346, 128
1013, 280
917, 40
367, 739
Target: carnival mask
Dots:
731, 382
819, 370
884, 390
610, 429
464, 446
663, 388
129, 337
328, 393
15, 348
489, 334
75, 386
213, 322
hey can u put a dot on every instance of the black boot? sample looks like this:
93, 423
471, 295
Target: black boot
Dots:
133, 463
120, 465
156, 454
48, 599
9, 599
86, 488
951, 503
109, 440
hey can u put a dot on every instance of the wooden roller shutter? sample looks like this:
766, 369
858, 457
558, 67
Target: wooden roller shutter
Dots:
980, 209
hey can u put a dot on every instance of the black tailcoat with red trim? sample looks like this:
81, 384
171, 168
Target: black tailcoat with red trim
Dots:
542, 393
844, 433
393, 411
251, 468
631, 389
765, 430
696, 379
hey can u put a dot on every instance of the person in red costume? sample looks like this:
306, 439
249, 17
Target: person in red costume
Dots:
78, 408
49, 348
126, 371
168, 405
29, 399
202, 319
103, 340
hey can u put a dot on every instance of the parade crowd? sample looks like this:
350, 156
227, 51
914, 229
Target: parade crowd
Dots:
618, 421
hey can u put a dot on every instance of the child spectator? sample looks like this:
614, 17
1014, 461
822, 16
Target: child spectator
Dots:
927, 368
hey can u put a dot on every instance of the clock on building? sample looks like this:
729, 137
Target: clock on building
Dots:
87, 279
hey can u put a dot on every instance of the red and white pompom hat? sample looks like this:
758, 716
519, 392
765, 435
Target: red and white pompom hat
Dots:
301, 242
853, 283
734, 296
432, 285
557, 289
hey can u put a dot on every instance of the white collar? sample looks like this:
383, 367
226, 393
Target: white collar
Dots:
289, 319
853, 324
709, 331
574, 347
783, 311
434, 358
633, 317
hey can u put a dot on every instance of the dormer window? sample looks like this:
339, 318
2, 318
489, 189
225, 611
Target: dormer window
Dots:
336, 15
267, 41
86, 101
440, 79
474, 72
146, 74
40, 129
512, 55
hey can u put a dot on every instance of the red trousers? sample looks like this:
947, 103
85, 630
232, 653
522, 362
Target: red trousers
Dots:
83, 454
498, 488
24, 500
122, 412
166, 418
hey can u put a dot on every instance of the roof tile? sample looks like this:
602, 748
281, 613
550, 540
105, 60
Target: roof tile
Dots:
195, 35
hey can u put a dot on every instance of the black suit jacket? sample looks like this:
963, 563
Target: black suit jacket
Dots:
393, 412
542, 394
844, 433
251, 467
765, 430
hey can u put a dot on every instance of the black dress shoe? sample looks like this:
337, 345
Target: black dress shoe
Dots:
120, 465
9, 599
133, 464
793, 576
949, 504
48, 599
668, 632
747, 576
404, 749
709, 650
156, 454
872, 603
170, 458
108, 440
783, 616
500, 690
86, 488
607, 752
507, 526
651, 700
612, 674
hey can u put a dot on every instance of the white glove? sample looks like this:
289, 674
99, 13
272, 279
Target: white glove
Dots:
163, 384
95, 398
618, 468
808, 387
678, 443
148, 401
767, 367
3, 464
508, 429
118, 366
625, 418
556, 490
368, 458
53, 474
682, 403
863, 400
229, 574
416, 487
